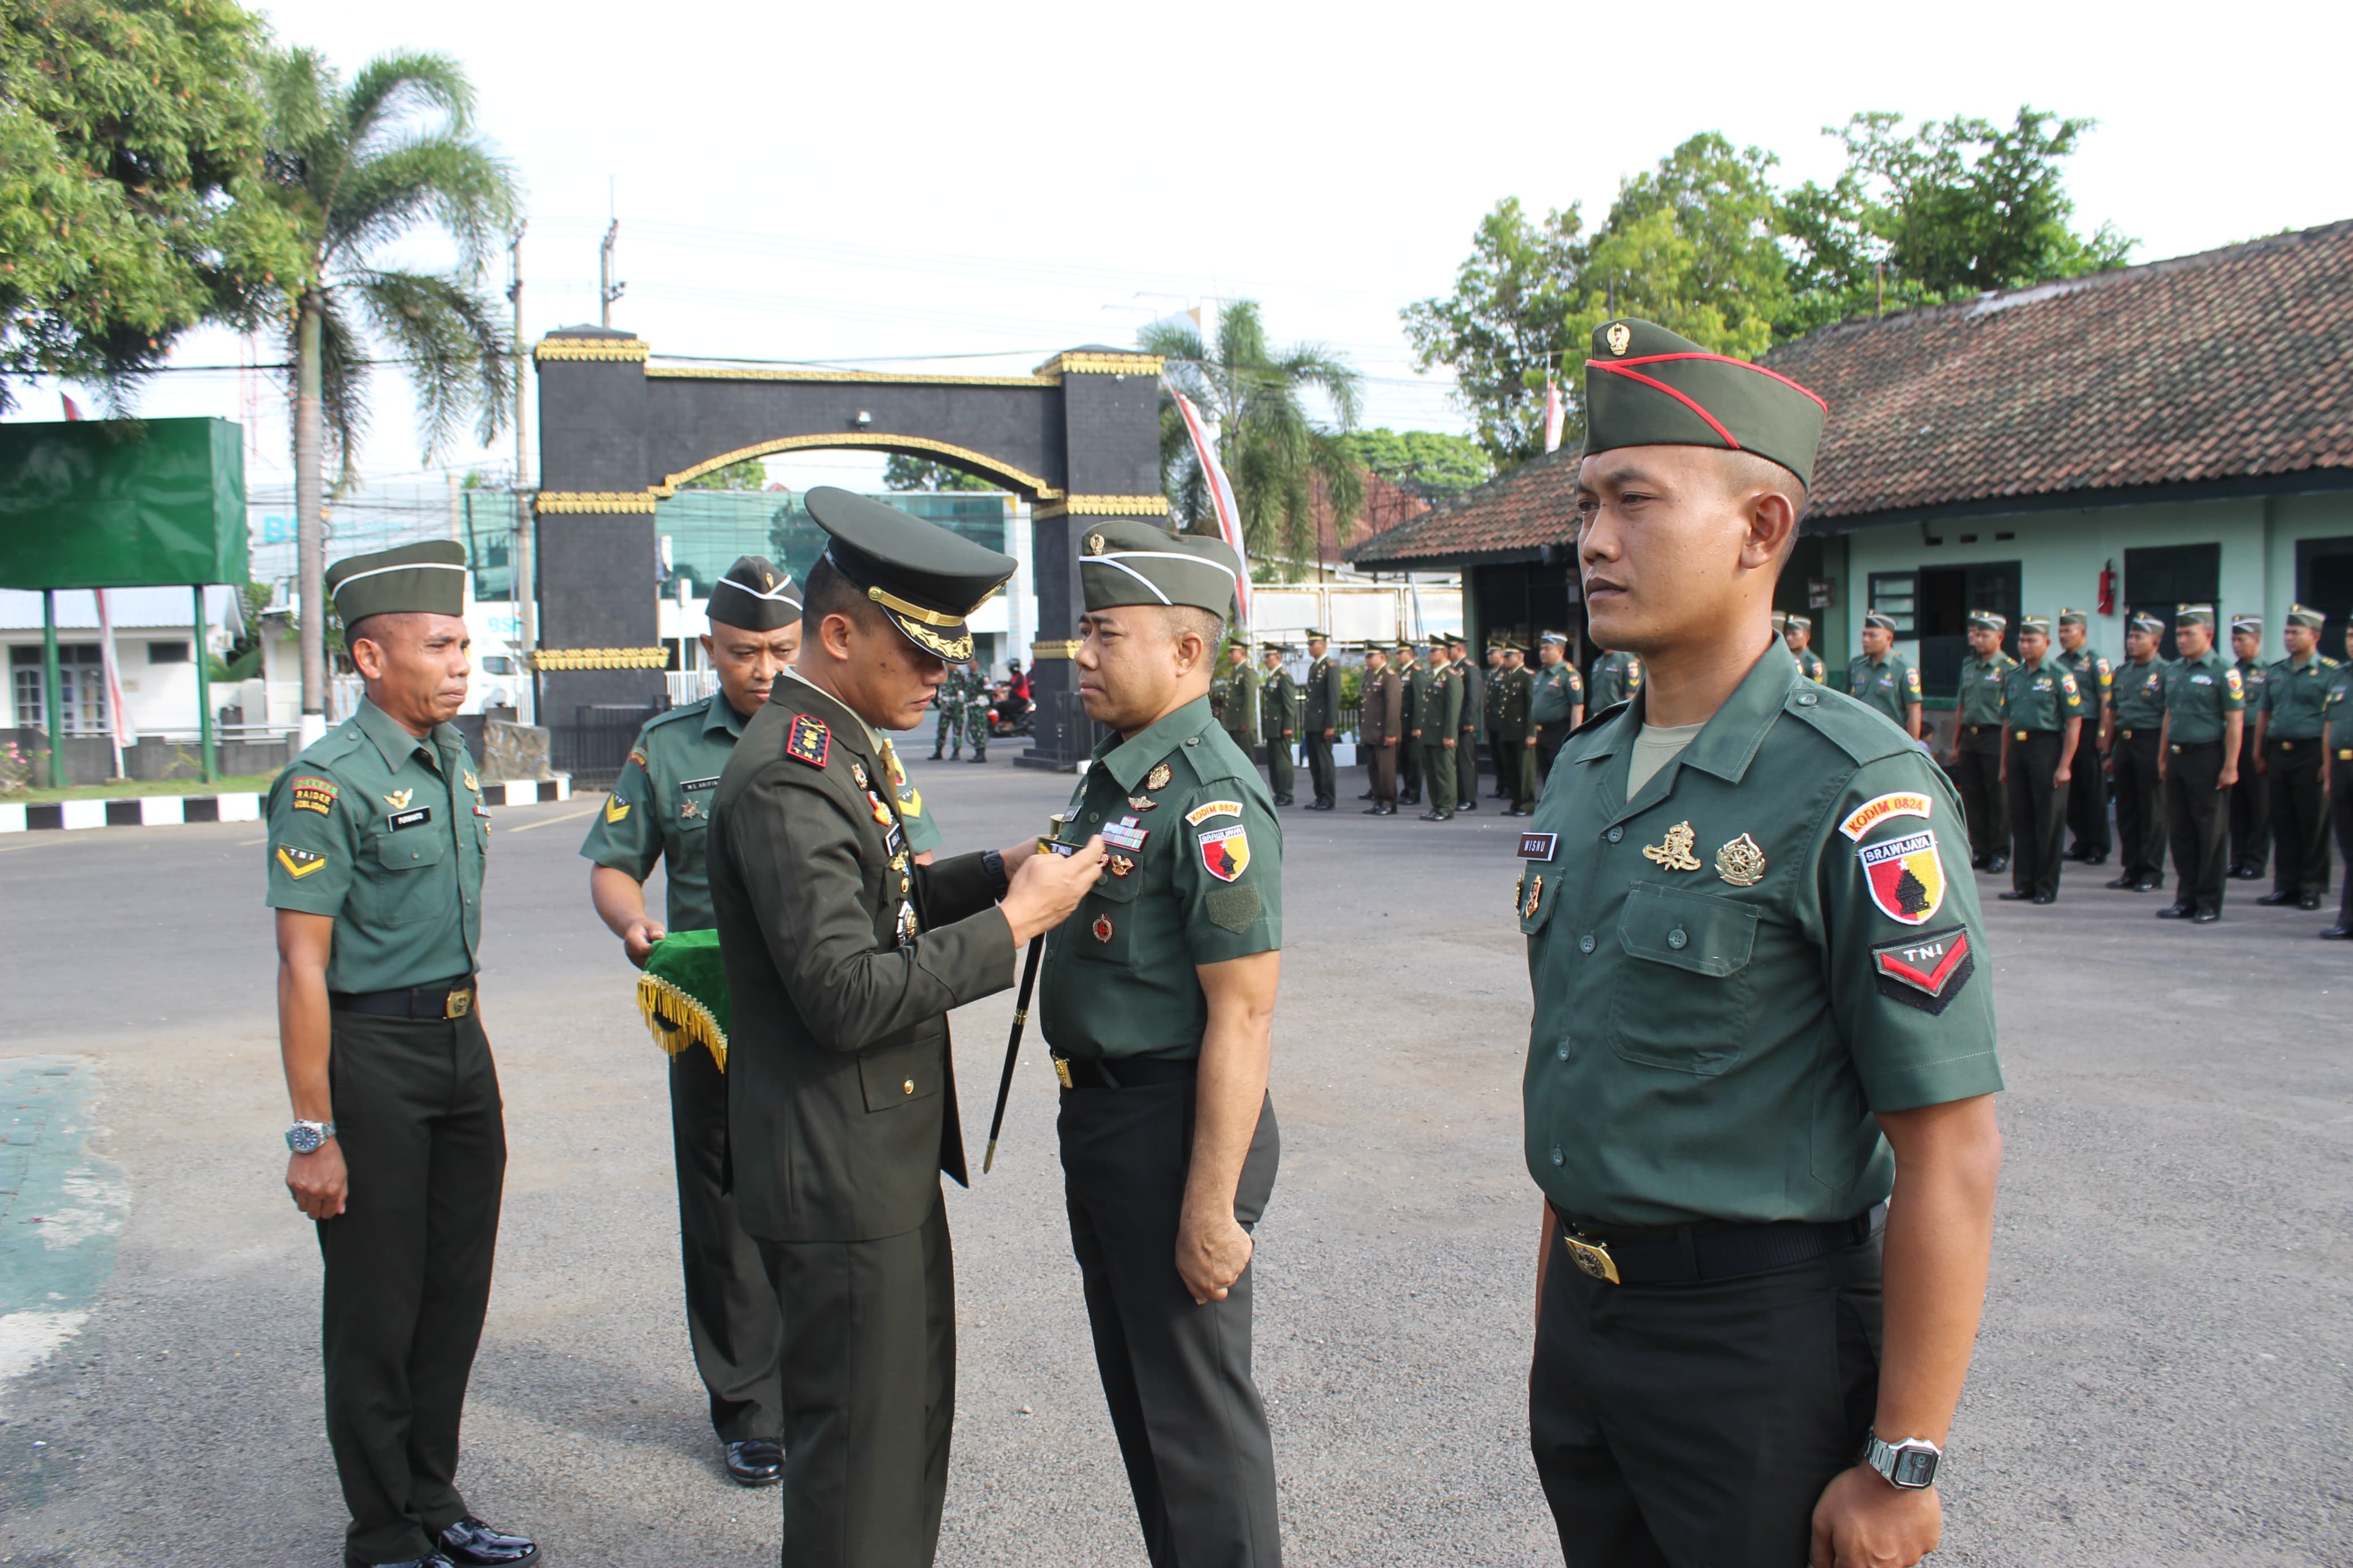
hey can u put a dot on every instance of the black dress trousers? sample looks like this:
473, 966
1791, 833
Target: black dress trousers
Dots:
1192, 1429
2251, 809
1697, 1424
2340, 812
2038, 811
732, 1318
2087, 796
407, 1267
1319, 769
2197, 819
1976, 777
2140, 807
2299, 817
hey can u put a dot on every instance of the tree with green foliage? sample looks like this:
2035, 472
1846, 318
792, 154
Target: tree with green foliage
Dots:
751, 474
360, 168
1505, 326
1691, 245
134, 200
905, 473
1274, 455
1422, 459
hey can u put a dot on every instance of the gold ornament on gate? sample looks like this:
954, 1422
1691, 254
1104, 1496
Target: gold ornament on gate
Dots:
1741, 862
1676, 853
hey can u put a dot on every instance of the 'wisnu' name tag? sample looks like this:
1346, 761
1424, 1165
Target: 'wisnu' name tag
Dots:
1538, 845
415, 817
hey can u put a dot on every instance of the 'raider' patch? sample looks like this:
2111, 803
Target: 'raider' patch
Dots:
315, 795
1927, 971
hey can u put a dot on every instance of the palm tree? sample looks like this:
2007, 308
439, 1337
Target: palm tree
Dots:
1274, 454
361, 167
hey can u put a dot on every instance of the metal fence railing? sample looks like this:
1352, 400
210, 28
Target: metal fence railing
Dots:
595, 744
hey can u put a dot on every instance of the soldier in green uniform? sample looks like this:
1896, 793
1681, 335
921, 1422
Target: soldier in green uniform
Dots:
1556, 704
2135, 720
377, 833
2042, 720
2287, 749
1413, 681
659, 812
1883, 679
1617, 675
976, 705
1157, 998
2250, 806
1471, 726
2087, 786
1758, 1013
1441, 720
1797, 632
950, 702
1278, 705
2336, 776
1975, 761
1493, 674
1380, 730
1235, 698
2197, 762
1321, 721
1510, 730
843, 957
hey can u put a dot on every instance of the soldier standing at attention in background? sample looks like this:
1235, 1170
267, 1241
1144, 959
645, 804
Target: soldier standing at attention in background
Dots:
1511, 732
1415, 682
2288, 751
1495, 674
1321, 722
2197, 762
2087, 786
1556, 703
659, 812
1380, 730
1883, 680
2137, 701
1616, 678
1799, 633
1757, 1015
843, 958
1442, 718
1974, 761
2042, 720
2251, 804
976, 708
1157, 999
950, 702
1473, 724
1235, 698
377, 832
1278, 705
2336, 776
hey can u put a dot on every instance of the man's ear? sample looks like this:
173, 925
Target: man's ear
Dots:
367, 658
1772, 528
835, 633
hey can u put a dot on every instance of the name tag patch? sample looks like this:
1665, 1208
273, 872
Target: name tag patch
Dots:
416, 816
1926, 971
692, 784
1538, 845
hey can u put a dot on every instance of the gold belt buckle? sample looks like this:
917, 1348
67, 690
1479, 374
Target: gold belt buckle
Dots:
461, 1002
2022, 734
2287, 745
1591, 1257
1063, 1072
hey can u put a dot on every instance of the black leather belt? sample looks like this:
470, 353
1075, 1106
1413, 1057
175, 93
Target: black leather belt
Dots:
1686, 1254
449, 999
1127, 1072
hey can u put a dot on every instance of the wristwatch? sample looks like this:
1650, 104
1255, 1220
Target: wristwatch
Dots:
991, 865
1910, 1464
304, 1137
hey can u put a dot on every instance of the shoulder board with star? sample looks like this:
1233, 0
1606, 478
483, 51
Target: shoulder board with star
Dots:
810, 739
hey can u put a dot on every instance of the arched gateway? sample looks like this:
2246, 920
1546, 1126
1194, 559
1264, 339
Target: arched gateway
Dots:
1080, 437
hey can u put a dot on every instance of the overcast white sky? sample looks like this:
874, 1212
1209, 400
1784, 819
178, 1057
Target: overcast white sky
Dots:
860, 181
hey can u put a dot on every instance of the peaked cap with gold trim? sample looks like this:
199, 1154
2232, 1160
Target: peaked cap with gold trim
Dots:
756, 595
1646, 386
1123, 561
426, 578
927, 579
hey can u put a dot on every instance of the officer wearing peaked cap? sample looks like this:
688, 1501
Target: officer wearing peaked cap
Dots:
1157, 999
377, 833
2197, 762
843, 957
2249, 851
1321, 720
2087, 786
1758, 1011
2288, 734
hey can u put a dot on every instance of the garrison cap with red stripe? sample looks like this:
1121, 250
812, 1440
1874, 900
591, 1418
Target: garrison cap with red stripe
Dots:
1645, 386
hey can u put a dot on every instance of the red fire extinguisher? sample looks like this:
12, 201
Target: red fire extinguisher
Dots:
2108, 589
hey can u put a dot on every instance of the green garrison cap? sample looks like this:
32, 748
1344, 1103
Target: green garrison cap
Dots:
2194, 615
2035, 624
2149, 624
1645, 386
927, 579
756, 595
2305, 616
1126, 562
1801, 623
2247, 623
2072, 618
1988, 620
1885, 622
1559, 639
1316, 635
427, 578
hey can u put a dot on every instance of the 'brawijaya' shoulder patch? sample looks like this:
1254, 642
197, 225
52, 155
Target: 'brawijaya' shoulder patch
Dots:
810, 741
1926, 971
1906, 877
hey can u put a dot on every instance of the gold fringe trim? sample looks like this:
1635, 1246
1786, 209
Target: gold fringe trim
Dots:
677, 1020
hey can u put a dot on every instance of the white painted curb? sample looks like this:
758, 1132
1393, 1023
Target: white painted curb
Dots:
12, 819
80, 813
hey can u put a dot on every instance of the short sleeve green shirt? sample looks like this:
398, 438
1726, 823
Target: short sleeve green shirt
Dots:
660, 809
2139, 694
1195, 878
1980, 692
386, 833
2295, 695
1558, 690
1616, 678
2040, 696
2201, 694
2337, 713
1889, 686
1734, 970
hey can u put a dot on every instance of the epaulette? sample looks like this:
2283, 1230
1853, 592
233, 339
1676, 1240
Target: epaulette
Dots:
336, 743
1592, 719
1863, 733
700, 706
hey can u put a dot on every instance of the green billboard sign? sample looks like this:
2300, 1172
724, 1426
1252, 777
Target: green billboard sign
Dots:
122, 503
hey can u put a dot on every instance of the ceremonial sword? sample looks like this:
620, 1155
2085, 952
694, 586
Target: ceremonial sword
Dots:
1046, 846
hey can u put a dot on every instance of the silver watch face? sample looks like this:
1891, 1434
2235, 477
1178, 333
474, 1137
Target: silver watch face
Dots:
1914, 1466
304, 1138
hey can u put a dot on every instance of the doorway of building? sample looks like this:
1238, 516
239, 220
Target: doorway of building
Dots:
2323, 581
1941, 604
2160, 580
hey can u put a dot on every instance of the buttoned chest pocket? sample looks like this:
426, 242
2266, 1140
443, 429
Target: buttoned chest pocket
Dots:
1684, 1002
406, 886
1103, 929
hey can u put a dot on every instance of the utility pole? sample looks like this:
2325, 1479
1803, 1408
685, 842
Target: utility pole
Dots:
607, 289
525, 576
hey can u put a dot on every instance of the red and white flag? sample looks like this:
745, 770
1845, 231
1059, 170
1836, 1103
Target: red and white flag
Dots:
1555, 414
118, 721
73, 409
1222, 496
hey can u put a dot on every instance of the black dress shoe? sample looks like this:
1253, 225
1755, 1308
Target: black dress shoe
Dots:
2273, 900
435, 1561
1515, 811
2046, 898
2247, 873
2149, 885
1282, 800
2098, 858
1366, 796
2339, 933
2312, 902
2205, 916
1438, 816
2012, 895
1468, 805
1997, 864
2175, 913
470, 1544
755, 1462
2124, 881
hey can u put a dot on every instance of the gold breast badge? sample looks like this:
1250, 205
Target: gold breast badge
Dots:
1535, 898
1121, 865
1159, 776
1675, 853
857, 774
1741, 862
1141, 803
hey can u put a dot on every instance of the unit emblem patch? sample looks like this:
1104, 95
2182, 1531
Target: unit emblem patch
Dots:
1226, 852
1906, 877
1210, 808
1675, 854
300, 863
1159, 776
1741, 862
810, 741
1926, 971
1873, 812
315, 795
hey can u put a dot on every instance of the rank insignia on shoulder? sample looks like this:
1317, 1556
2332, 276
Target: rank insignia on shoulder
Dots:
1741, 862
1675, 853
1159, 776
315, 795
810, 742
1926, 971
300, 863
398, 799
1226, 852
616, 808
1906, 877
1210, 808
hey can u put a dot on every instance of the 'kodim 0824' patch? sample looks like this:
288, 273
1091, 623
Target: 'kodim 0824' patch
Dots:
1210, 808
1926, 970
316, 794
1873, 812
300, 863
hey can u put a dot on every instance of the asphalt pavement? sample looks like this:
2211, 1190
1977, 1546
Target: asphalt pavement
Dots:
2162, 1379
